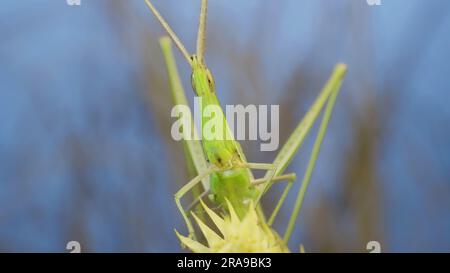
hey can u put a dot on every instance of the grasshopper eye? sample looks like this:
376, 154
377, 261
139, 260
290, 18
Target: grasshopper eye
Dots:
210, 79
193, 82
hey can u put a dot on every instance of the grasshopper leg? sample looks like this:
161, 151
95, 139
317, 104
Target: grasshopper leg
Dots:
263, 166
186, 188
198, 199
290, 178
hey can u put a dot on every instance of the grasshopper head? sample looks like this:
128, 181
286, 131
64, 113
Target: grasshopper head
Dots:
202, 80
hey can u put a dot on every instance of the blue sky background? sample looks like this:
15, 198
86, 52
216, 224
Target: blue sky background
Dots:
85, 150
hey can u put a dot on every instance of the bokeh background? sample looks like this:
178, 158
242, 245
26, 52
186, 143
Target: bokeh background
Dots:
85, 146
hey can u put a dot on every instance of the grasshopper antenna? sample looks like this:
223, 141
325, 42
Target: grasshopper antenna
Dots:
169, 30
201, 36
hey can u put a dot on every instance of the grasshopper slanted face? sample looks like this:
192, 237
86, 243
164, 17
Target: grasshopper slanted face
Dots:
202, 80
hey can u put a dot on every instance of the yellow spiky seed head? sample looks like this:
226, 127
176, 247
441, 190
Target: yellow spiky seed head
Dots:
248, 235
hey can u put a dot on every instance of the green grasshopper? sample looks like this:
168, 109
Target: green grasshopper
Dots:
225, 173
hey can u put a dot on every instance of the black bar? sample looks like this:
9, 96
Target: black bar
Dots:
220, 262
